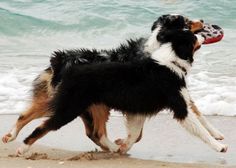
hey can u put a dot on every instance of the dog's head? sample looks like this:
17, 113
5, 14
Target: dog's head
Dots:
175, 21
183, 42
168, 23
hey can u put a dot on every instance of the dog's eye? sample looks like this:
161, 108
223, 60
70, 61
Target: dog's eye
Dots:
189, 24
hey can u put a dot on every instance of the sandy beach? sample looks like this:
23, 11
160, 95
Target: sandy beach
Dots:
46, 157
69, 147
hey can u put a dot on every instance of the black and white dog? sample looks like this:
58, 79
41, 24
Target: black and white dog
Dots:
95, 120
138, 88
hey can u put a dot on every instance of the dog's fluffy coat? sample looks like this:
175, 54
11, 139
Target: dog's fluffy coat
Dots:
133, 65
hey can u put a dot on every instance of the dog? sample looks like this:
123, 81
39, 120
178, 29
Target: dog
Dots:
138, 89
44, 87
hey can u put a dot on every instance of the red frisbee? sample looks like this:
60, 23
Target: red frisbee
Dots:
211, 33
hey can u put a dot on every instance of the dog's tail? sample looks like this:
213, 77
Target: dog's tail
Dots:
57, 65
62, 61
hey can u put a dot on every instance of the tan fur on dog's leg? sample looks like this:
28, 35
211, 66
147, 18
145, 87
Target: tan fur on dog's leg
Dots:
193, 126
42, 92
100, 114
210, 128
89, 128
38, 133
134, 125
38, 109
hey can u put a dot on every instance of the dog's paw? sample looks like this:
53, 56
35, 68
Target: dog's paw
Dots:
221, 148
218, 136
8, 138
119, 141
224, 148
123, 148
22, 150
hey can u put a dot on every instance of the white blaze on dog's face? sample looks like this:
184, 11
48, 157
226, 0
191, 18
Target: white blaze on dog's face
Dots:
177, 50
164, 22
200, 39
170, 22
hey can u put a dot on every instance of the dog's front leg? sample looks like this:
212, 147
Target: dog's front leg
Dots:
211, 129
193, 125
134, 125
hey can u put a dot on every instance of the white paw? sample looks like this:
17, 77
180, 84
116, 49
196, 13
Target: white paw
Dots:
125, 145
8, 138
222, 148
114, 148
123, 148
218, 136
22, 149
108, 144
119, 141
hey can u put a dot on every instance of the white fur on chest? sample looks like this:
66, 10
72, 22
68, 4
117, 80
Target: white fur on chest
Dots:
166, 56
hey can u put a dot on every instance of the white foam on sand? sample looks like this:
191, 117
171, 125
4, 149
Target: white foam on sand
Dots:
214, 95
16, 76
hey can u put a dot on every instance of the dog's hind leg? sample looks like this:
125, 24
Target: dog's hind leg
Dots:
39, 106
88, 123
89, 128
38, 109
100, 114
211, 129
51, 124
134, 125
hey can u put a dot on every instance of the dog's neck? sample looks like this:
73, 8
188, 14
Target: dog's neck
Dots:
152, 44
166, 56
181, 67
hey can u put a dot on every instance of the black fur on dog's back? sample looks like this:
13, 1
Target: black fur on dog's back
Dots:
142, 87
62, 60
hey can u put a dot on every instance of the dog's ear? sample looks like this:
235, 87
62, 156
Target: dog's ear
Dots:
183, 43
170, 22
168, 35
165, 35
162, 20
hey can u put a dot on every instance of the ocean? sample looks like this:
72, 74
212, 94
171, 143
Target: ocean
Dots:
30, 30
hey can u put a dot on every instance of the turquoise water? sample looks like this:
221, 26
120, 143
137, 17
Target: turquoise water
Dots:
31, 29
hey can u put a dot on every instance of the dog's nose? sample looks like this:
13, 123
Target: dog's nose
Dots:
202, 21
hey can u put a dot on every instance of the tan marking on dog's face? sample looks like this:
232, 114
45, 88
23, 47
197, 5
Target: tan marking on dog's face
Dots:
100, 114
195, 26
